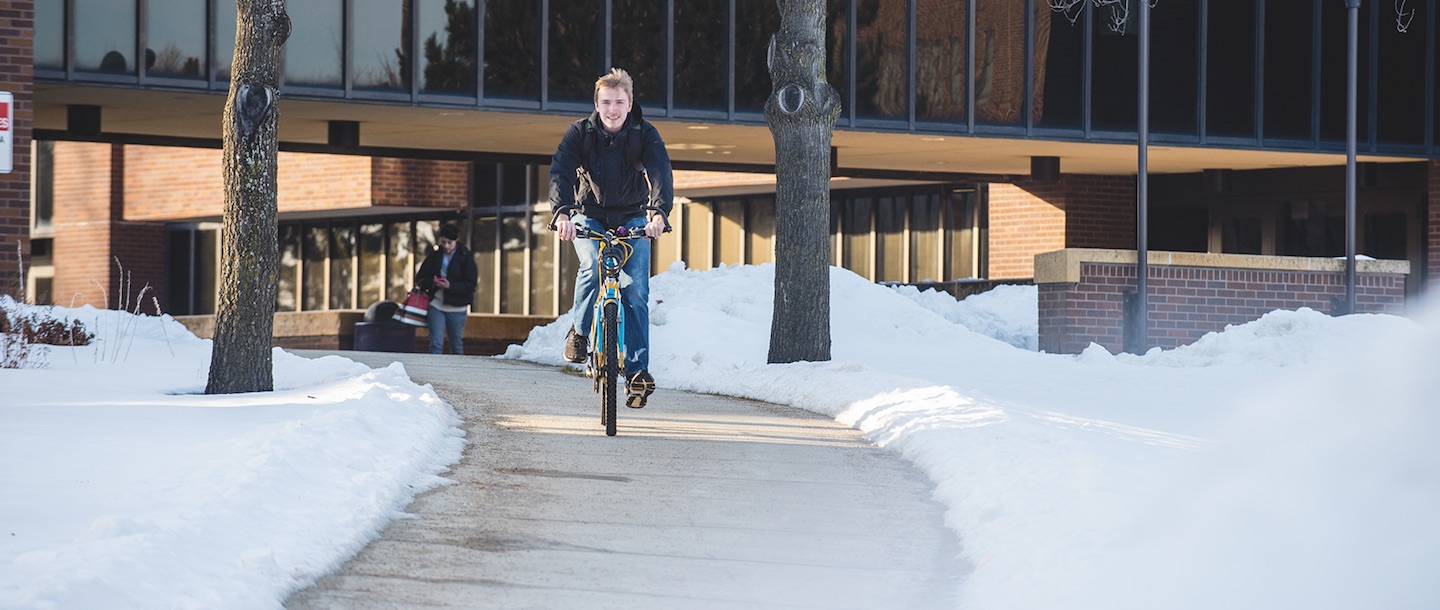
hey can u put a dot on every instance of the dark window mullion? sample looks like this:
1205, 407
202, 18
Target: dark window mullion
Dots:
730, 60
1202, 66
1259, 107
1372, 84
1316, 74
670, 58
348, 59
850, 71
1430, 35
910, 65
545, 17
607, 41
969, 66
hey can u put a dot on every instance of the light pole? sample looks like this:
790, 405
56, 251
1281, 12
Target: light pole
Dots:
1142, 188
1351, 67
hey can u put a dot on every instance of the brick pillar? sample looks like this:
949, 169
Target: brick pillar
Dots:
1076, 211
1432, 232
17, 64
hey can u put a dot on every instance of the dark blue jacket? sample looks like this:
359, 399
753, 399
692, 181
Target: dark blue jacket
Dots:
464, 276
611, 179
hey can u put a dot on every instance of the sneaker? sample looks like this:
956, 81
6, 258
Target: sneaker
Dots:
576, 347
641, 386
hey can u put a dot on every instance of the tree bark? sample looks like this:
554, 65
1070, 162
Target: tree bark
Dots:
240, 357
801, 113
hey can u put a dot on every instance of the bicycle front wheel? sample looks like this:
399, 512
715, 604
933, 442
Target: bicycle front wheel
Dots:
610, 367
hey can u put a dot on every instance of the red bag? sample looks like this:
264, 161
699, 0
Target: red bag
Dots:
415, 310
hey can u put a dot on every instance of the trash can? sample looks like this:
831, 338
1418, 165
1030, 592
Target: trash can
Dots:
384, 337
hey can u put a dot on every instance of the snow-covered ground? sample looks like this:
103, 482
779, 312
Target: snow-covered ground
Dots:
1286, 463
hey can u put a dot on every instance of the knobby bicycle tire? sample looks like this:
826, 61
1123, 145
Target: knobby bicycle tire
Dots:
610, 370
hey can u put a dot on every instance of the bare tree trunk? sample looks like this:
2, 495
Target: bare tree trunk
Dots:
801, 113
240, 357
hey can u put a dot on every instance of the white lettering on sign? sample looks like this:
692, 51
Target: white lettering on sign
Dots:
7, 148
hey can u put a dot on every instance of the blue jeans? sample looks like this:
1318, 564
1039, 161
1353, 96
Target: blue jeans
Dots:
447, 323
634, 294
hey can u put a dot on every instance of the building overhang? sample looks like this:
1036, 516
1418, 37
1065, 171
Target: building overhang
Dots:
193, 118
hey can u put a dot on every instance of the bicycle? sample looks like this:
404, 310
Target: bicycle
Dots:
607, 326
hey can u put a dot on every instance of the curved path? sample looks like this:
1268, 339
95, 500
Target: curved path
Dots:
700, 502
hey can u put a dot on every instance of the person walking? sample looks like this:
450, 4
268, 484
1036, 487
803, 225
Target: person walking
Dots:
449, 275
611, 170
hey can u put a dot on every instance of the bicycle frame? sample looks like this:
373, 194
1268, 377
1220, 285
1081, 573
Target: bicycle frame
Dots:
607, 361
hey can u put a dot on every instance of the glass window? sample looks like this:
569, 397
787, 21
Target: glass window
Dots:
1230, 69
1401, 98
755, 22
837, 45
542, 266
50, 35
880, 71
207, 269
42, 210
104, 34
940, 60
1174, 68
637, 44
512, 49
514, 232
315, 51
482, 243
371, 257
515, 184
696, 236
999, 60
287, 294
225, 23
342, 267
729, 232
1334, 33
1314, 228
1115, 69
859, 214
399, 259
890, 239
175, 39
925, 238
701, 62
317, 244
380, 51
447, 39
1058, 78
576, 50
760, 238
962, 243
1288, 37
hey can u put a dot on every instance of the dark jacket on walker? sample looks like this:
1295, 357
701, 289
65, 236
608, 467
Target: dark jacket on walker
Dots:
464, 276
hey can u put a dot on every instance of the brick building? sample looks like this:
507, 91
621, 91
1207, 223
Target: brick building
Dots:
976, 135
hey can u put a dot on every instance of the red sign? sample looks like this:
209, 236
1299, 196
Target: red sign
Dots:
4, 116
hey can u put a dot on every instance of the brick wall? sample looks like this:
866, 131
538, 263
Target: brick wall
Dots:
1022, 224
420, 183
1188, 302
1076, 211
91, 234
17, 31
169, 183
1099, 211
1432, 231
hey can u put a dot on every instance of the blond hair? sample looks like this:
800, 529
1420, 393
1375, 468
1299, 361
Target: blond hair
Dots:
616, 79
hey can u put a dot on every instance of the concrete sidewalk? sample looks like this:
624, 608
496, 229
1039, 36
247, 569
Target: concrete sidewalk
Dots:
700, 502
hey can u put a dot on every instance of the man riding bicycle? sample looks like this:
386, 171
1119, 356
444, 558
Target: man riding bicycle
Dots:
611, 170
